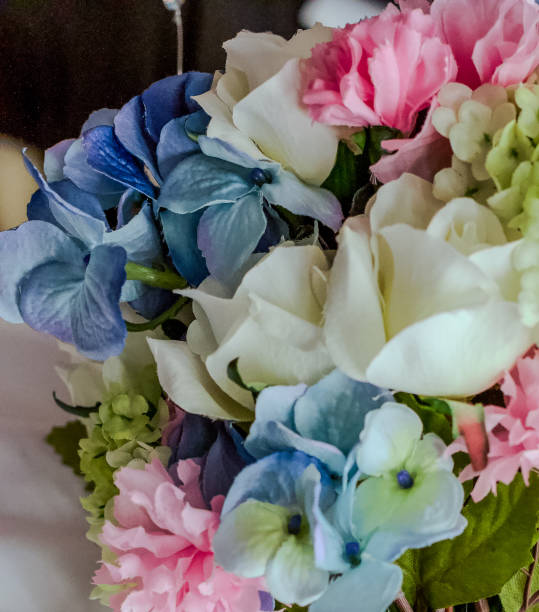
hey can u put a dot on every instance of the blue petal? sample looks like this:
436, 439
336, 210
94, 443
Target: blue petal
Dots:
180, 233
21, 250
276, 231
272, 479
288, 191
170, 98
334, 409
79, 303
103, 116
196, 123
53, 165
373, 583
215, 147
105, 153
39, 209
80, 224
200, 181
229, 233
151, 301
140, 238
192, 438
82, 200
223, 464
85, 177
98, 327
47, 295
131, 131
174, 146
128, 206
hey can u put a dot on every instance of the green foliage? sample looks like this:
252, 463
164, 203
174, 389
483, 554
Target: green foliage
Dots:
65, 441
478, 563
433, 413
124, 429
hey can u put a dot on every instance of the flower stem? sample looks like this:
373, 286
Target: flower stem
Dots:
526, 603
159, 320
402, 603
162, 279
482, 605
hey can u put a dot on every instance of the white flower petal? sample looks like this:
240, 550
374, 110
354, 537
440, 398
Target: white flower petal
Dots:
274, 119
453, 354
186, 381
354, 328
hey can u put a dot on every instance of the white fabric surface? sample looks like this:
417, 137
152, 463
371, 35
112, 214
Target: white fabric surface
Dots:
337, 13
46, 563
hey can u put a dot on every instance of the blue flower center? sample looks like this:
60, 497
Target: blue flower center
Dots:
294, 524
352, 550
259, 176
405, 480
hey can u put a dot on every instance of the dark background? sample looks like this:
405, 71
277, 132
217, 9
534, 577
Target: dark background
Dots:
62, 59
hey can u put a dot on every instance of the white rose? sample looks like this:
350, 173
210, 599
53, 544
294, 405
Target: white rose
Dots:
272, 325
255, 105
422, 298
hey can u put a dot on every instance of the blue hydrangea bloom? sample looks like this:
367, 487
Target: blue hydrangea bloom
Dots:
223, 199
63, 272
324, 420
267, 521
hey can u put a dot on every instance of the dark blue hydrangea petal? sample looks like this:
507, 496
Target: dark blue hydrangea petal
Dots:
152, 301
223, 464
180, 232
130, 130
276, 231
192, 438
39, 209
171, 97
99, 330
78, 170
106, 154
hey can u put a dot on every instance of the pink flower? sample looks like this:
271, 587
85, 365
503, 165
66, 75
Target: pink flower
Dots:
513, 431
493, 41
381, 71
163, 545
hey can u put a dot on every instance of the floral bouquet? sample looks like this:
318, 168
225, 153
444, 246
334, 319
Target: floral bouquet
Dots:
304, 298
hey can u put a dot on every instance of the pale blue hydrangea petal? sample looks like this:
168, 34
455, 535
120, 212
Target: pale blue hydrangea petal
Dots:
271, 479
32, 244
288, 191
374, 585
53, 164
78, 223
200, 181
174, 145
229, 233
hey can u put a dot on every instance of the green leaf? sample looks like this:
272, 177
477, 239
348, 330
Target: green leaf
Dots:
512, 594
377, 134
65, 441
344, 179
80, 411
478, 563
432, 412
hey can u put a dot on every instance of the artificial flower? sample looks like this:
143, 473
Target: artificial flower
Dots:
380, 71
277, 305
323, 421
255, 105
267, 521
412, 308
214, 445
232, 196
513, 430
163, 542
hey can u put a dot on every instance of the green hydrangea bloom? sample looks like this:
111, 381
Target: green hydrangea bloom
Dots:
527, 99
124, 431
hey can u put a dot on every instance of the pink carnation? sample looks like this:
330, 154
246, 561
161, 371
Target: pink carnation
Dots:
381, 71
163, 543
513, 431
